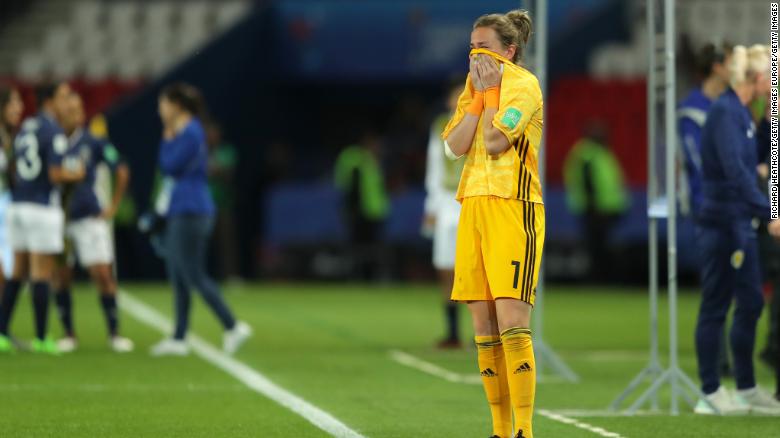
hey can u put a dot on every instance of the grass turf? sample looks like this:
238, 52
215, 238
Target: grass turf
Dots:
330, 345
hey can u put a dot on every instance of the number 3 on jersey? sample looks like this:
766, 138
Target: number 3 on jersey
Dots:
28, 161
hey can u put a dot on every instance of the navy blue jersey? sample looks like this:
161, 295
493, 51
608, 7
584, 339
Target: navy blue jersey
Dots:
90, 151
39, 144
729, 156
691, 114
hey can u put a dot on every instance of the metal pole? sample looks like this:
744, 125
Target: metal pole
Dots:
652, 189
540, 64
545, 356
671, 205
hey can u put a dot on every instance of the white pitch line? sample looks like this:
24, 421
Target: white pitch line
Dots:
432, 369
429, 368
576, 423
242, 372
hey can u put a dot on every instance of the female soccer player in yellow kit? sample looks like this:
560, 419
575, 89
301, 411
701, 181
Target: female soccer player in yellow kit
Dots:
498, 126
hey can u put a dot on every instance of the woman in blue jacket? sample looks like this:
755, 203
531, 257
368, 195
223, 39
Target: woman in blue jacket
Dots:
185, 201
731, 203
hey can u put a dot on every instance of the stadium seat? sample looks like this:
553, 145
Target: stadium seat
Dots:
87, 15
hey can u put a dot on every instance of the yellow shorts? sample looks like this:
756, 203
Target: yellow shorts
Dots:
499, 249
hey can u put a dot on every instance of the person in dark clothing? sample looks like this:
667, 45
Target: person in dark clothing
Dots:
596, 191
731, 201
358, 175
184, 200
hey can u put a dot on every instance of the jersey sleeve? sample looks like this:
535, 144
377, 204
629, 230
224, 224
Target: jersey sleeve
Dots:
517, 105
56, 146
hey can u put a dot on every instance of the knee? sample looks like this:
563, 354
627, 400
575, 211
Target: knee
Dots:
749, 309
485, 326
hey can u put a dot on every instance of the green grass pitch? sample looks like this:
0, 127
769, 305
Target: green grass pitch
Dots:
331, 346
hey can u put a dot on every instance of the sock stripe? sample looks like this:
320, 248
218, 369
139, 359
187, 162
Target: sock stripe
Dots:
515, 331
488, 344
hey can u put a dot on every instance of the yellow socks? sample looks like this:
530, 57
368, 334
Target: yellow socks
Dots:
521, 374
492, 367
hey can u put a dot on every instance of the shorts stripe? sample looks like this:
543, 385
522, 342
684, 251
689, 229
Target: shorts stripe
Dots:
530, 273
527, 251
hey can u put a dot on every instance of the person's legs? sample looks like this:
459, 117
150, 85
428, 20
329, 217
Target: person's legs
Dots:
445, 233
174, 253
61, 282
471, 286
718, 283
514, 319
749, 303
492, 365
12, 288
103, 278
446, 279
193, 248
41, 269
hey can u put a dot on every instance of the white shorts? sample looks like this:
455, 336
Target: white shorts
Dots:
92, 241
445, 234
35, 228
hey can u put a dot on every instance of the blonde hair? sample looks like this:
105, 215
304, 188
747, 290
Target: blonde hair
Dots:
747, 62
512, 28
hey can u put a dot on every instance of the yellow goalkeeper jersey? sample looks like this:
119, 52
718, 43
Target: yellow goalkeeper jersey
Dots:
514, 173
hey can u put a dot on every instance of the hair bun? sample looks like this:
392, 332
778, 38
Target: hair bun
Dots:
521, 19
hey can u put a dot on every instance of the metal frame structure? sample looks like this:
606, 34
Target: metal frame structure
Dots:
660, 206
544, 354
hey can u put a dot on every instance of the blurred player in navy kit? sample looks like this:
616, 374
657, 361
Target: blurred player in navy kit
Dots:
11, 110
711, 62
88, 228
35, 217
725, 231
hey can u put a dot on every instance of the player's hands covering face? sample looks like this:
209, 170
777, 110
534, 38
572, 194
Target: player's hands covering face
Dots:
474, 74
489, 71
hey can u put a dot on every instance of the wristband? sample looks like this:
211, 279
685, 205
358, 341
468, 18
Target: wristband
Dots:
492, 97
475, 107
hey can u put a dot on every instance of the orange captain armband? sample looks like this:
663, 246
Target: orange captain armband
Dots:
475, 107
492, 97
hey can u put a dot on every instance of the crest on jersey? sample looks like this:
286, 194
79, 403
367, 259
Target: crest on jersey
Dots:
511, 118
737, 258
60, 143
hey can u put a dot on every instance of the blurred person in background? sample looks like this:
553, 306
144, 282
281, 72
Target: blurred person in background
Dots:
223, 158
596, 192
36, 220
711, 69
358, 175
186, 204
442, 212
769, 254
498, 126
711, 62
11, 110
88, 228
726, 234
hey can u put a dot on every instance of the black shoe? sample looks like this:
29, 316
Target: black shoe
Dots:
520, 434
450, 344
